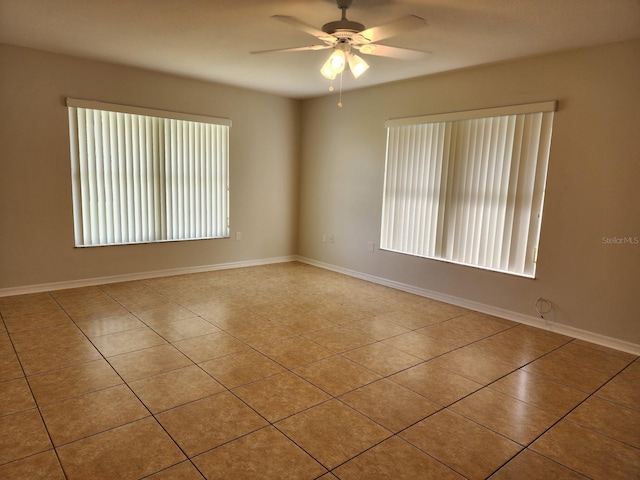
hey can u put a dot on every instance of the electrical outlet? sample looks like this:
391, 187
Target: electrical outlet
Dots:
370, 247
331, 238
238, 236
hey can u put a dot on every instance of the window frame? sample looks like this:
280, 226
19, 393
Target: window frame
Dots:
432, 157
159, 145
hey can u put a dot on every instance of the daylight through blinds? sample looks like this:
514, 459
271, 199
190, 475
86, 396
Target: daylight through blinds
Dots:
468, 190
143, 178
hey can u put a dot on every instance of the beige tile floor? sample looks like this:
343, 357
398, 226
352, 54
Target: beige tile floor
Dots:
289, 371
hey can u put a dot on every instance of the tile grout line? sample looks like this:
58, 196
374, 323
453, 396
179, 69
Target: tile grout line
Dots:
228, 390
124, 382
37, 405
561, 418
332, 397
291, 370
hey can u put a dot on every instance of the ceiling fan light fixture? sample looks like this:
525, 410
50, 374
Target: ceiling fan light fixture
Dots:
327, 72
337, 60
345, 37
357, 65
334, 65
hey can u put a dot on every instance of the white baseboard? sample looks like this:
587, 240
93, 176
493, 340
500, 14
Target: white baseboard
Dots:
462, 302
580, 334
88, 282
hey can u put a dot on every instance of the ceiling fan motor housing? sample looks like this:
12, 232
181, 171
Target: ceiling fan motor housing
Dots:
335, 28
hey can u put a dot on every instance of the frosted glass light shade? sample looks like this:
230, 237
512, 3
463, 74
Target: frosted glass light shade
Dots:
334, 65
357, 65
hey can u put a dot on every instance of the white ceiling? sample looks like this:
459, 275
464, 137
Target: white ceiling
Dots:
211, 39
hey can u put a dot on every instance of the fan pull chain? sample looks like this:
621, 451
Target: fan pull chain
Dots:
340, 99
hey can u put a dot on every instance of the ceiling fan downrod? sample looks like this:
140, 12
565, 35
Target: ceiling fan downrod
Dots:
343, 5
344, 25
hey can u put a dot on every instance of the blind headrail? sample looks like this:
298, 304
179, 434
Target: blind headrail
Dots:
549, 106
151, 112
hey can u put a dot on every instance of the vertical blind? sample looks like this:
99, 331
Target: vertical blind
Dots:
468, 187
143, 175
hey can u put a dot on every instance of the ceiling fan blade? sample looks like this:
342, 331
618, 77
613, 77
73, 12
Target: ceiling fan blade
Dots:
295, 49
390, 29
305, 27
393, 52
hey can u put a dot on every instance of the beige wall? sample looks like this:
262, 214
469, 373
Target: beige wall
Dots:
36, 229
283, 205
592, 190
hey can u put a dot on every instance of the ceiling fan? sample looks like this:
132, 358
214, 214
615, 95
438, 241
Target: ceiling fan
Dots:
347, 38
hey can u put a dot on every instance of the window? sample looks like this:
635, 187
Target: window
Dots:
142, 175
468, 187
